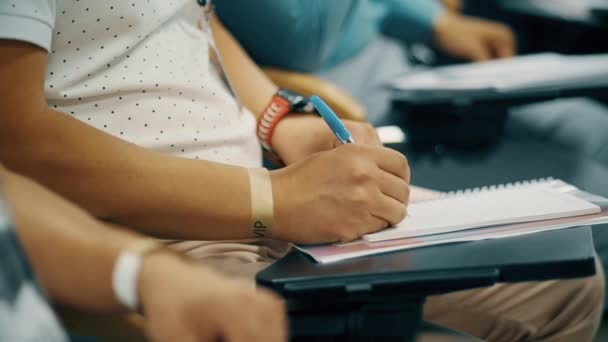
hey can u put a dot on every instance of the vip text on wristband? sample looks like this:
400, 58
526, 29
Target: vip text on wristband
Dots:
262, 207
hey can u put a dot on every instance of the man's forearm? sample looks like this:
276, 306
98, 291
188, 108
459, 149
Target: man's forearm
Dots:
74, 258
65, 245
159, 194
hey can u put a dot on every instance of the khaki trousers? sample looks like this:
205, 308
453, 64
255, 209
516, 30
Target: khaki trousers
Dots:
557, 310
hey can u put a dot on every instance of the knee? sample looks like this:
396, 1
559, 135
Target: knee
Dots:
594, 287
577, 313
588, 296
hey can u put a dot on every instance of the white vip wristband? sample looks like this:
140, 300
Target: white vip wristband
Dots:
126, 271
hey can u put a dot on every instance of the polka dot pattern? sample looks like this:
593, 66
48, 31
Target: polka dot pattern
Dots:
140, 70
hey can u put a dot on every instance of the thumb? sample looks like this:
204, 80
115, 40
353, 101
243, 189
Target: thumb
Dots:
504, 47
479, 52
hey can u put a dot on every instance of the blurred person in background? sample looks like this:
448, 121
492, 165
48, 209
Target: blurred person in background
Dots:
358, 45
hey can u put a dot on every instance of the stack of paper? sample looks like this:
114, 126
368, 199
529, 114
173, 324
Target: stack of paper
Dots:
477, 215
525, 74
568, 10
598, 7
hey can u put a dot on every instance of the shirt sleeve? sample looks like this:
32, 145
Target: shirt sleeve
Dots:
292, 34
30, 21
412, 20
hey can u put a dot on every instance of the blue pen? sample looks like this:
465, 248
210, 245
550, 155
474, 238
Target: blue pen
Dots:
332, 120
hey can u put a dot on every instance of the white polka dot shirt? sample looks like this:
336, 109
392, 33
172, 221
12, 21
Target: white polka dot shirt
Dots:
139, 70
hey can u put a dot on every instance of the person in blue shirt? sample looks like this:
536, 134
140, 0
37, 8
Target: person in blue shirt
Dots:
317, 35
335, 38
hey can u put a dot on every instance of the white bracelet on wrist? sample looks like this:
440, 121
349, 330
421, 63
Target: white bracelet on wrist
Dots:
125, 274
124, 279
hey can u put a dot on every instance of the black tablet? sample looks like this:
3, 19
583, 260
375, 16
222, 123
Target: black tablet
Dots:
566, 253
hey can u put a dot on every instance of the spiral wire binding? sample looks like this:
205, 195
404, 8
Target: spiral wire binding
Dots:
490, 188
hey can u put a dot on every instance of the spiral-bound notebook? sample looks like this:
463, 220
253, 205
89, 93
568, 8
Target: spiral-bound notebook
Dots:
477, 214
503, 204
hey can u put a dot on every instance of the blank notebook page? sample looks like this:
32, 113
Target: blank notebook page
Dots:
482, 209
